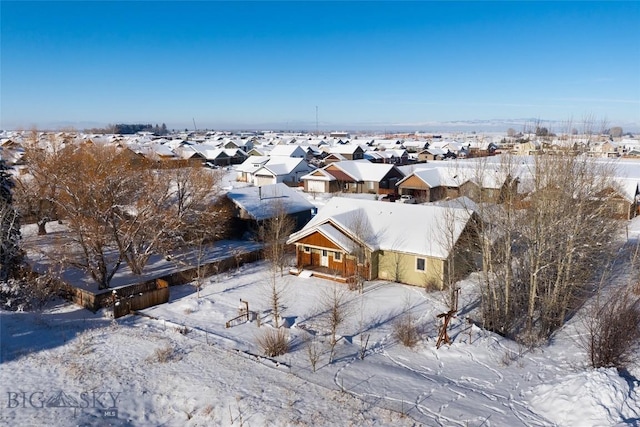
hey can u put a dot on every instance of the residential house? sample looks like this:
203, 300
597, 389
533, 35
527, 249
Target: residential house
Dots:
294, 151
623, 198
354, 238
454, 180
281, 169
254, 205
247, 168
354, 176
431, 154
320, 181
348, 151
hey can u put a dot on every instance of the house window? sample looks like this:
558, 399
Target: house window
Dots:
307, 249
337, 256
421, 264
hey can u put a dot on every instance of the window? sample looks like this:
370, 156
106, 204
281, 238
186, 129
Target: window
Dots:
337, 256
307, 249
421, 264
324, 252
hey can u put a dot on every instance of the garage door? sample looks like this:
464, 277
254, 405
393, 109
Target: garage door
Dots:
315, 186
263, 180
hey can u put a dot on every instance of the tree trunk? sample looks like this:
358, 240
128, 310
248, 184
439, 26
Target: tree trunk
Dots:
42, 228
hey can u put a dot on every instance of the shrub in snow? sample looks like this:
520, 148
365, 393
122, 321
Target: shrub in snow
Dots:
164, 354
273, 342
613, 331
405, 330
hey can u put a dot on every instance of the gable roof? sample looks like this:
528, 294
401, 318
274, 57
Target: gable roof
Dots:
399, 227
364, 170
252, 163
319, 175
281, 165
344, 149
264, 202
288, 151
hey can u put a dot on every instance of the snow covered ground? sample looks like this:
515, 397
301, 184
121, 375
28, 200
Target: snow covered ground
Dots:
181, 366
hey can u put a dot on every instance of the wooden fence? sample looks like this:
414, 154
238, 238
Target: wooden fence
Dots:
149, 292
124, 306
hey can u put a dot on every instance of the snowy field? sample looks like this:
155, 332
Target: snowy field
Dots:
180, 366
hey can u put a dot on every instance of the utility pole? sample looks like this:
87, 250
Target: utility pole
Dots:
194, 124
317, 121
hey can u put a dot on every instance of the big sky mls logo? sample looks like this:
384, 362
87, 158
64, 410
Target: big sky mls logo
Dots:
106, 402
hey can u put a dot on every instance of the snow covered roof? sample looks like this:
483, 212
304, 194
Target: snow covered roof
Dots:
263, 202
414, 229
284, 165
288, 151
252, 163
343, 149
364, 170
319, 175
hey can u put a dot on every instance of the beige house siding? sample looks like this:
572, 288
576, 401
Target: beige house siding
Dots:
401, 267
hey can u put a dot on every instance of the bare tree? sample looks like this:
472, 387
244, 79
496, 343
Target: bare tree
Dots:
10, 253
202, 218
35, 190
334, 303
540, 253
120, 210
359, 251
274, 233
313, 350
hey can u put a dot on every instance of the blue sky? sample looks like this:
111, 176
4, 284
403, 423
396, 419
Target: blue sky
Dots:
362, 64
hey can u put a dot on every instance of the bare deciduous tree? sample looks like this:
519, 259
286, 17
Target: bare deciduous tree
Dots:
359, 252
541, 252
35, 190
120, 210
274, 233
334, 303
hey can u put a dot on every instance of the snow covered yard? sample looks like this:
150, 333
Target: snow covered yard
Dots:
180, 365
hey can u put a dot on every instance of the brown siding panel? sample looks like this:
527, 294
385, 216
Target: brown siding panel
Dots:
317, 239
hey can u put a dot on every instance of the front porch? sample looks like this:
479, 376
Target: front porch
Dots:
321, 272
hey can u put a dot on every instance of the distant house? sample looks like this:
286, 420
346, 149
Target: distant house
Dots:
393, 156
254, 205
281, 169
430, 154
372, 240
320, 181
236, 155
294, 151
623, 198
347, 151
333, 158
359, 176
247, 168
439, 183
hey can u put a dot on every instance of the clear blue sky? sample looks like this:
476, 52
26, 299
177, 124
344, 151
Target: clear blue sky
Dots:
363, 64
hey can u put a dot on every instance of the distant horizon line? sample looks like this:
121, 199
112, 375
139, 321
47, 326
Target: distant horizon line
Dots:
495, 125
